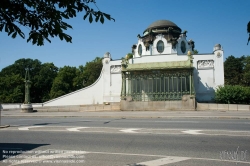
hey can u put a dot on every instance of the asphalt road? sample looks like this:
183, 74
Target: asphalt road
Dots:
131, 142
175, 123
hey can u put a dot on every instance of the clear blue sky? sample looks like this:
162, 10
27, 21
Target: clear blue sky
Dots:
207, 22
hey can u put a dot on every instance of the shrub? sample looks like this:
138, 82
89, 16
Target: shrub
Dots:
232, 94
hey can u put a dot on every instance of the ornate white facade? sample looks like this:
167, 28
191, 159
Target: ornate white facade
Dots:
162, 43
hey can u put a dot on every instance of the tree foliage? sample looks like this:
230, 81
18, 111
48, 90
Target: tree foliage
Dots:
11, 88
246, 71
45, 18
63, 83
90, 72
70, 79
237, 70
232, 94
44, 80
233, 70
12, 80
48, 81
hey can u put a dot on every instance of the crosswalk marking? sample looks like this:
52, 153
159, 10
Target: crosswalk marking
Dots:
163, 161
27, 128
129, 130
76, 128
193, 132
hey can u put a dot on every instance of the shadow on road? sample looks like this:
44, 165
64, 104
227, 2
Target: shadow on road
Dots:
14, 149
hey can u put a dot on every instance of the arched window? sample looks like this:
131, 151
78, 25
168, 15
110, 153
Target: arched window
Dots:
140, 50
160, 46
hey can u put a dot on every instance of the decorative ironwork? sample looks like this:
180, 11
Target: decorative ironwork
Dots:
157, 85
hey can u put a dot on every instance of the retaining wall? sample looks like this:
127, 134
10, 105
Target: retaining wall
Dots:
14, 106
133, 106
78, 108
222, 107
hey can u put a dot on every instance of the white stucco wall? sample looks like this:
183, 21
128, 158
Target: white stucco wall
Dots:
112, 81
107, 88
208, 77
83, 96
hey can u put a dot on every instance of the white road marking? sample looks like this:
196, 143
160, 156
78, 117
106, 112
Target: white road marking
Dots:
175, 121
163, 158
230, 133
129, 130
151, 155
193, 132
163, 161
27, 128
76, 128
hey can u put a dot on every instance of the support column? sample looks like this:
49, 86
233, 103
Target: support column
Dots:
190, 83
123, 92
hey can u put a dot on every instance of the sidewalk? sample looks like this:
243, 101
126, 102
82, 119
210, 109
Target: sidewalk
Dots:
135, 114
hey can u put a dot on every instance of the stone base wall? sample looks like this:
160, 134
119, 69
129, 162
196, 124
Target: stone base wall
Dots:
222, 107
187, 103
76, 108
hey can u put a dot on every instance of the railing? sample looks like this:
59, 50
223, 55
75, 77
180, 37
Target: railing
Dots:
157, 85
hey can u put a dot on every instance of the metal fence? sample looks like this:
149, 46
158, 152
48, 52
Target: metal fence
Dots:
160, 85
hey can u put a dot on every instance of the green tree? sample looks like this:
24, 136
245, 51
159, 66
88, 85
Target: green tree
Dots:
246, 71
42, 76
88, 74
92, 71
70, 79
18, 68
78, 81
63, 82
11, 88
233, 70
45, 18
44, 80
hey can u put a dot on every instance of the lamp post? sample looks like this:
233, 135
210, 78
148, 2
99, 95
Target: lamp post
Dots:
27, 106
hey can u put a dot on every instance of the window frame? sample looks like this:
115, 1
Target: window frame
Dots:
157, 46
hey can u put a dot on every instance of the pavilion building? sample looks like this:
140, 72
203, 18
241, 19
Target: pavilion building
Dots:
163, 73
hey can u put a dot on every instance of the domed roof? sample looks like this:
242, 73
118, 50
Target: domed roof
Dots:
162, 23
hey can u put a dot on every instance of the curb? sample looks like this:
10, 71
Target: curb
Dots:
4, 126
144, 117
